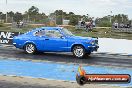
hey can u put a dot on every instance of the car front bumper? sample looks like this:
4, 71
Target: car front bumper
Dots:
92, 48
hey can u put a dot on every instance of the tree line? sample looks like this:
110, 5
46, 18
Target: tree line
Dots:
34, 16
107, 21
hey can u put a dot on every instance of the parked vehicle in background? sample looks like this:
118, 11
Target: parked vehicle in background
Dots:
55, 39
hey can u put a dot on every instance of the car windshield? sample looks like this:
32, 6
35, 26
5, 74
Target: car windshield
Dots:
66, 32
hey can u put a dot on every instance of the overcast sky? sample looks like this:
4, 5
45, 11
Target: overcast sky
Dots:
95, 8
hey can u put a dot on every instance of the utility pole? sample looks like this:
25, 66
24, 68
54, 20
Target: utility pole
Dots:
54, 17
122, 18
110, 16
28, 17
62, 17
6, 11
87, 18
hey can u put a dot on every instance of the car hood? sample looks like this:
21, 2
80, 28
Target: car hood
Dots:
82, 38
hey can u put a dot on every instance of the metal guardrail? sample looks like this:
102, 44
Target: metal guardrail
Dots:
84, 27
102, 27
128, 30
80, 27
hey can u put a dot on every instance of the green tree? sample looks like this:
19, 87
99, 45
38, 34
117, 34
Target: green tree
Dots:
120, 18
41, 17
86, 17
17, 17
33, 12
73, 20
103, 22
71, 13
10, 16
26, 16
1, 15
59, 16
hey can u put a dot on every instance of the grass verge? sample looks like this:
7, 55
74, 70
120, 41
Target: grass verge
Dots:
100, 32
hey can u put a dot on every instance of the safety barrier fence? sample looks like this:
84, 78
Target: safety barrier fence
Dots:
128, 30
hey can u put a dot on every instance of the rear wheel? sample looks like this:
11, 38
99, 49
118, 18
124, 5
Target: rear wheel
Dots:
30, 48
78, 51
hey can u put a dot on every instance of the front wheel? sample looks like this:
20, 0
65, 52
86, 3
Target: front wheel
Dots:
79, 51
30, 48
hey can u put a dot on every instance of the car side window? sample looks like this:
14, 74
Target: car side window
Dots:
53, 33
40, 33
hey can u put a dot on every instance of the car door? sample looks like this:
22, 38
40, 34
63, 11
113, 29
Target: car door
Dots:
53, 41
39, 39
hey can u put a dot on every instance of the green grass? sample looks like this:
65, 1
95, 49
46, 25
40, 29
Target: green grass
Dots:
9, 29
101, 33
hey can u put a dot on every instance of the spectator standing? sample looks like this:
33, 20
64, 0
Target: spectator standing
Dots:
88, 26
82, 23
122, 25
21, 24
18, 24
116, 25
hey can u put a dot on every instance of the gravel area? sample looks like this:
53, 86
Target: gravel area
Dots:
23, 82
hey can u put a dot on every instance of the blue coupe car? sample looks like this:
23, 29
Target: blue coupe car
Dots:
55, 39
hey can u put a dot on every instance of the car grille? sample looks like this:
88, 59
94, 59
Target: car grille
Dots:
96, 41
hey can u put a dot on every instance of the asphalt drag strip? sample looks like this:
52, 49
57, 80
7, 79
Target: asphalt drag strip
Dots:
99, 59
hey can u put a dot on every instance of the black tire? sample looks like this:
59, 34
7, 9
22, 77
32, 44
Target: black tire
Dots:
88, 53
39, 52
78, 51
30, 48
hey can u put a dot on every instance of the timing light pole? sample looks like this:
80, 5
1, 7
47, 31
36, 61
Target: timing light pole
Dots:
110, 16
62, 17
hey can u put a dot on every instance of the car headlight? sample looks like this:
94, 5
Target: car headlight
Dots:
92, 42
